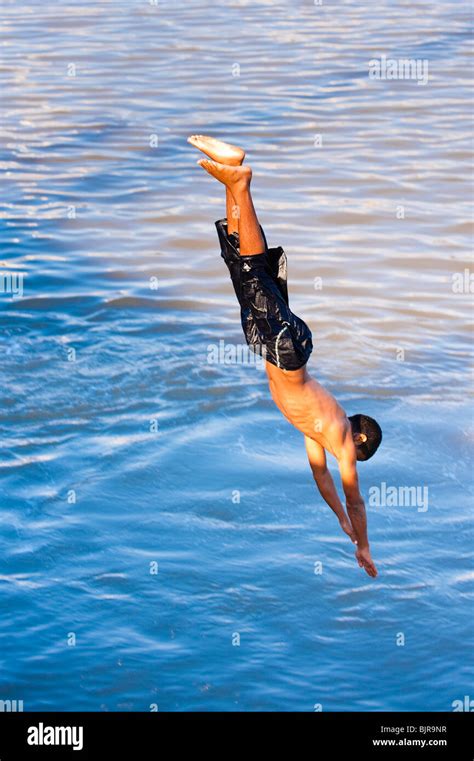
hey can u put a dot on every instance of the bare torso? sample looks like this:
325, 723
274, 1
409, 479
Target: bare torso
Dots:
309, 407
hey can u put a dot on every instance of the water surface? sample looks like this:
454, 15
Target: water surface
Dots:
123, 447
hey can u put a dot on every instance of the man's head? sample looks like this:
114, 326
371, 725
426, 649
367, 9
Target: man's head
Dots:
367, 435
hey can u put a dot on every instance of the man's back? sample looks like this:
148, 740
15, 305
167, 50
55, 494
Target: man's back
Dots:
309, 407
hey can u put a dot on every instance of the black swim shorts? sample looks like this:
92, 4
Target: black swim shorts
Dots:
260, 283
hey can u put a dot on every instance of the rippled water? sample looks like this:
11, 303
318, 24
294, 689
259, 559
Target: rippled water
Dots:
123, 446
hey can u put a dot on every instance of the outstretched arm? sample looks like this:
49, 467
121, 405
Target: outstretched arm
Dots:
325, 484
356, 508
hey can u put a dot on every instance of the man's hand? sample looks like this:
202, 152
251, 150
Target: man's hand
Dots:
346, 526
365, 561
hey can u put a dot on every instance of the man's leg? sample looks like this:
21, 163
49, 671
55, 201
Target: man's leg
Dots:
224, 153
284, 336
232, 213
237, 181
230, 155
250, 233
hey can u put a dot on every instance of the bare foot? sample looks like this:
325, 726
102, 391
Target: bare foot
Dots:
225, 153
346, 526
365, 561
233, 177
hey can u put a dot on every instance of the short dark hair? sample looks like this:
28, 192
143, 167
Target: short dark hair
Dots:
370, 427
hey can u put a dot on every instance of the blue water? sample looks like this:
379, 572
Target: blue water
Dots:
123, 446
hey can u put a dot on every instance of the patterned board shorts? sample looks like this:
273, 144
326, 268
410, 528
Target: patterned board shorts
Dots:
260, 283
